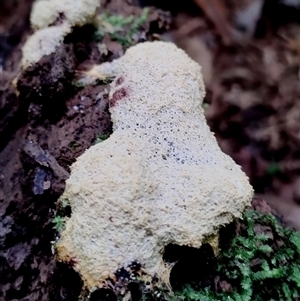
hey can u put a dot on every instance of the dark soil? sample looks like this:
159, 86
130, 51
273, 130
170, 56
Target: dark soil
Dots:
47, 121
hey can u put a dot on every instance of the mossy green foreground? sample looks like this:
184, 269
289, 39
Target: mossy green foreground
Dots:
261, 263
256, 265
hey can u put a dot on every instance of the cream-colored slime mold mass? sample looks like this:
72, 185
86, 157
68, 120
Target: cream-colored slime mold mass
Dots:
52, 20
159, 179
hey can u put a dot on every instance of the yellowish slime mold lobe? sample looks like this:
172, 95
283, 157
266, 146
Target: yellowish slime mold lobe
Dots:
159, 179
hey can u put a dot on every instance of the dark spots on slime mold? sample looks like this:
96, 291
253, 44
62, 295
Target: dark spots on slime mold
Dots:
119, 80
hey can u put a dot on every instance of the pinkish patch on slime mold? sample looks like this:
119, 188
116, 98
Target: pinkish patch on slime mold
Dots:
119, 94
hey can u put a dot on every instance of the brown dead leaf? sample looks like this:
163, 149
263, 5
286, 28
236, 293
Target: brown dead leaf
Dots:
217, 12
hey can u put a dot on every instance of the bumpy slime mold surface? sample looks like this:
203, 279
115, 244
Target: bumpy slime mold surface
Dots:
52, 20
160, 178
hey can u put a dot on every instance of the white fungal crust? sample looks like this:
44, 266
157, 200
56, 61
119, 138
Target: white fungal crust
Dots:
159, 179
53, 20
37, 46
74, 12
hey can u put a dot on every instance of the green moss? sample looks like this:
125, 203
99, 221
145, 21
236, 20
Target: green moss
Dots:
263, 263
73, 145
78, 84
63, 206
101, 138
63, 210
119, 28
59, 223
